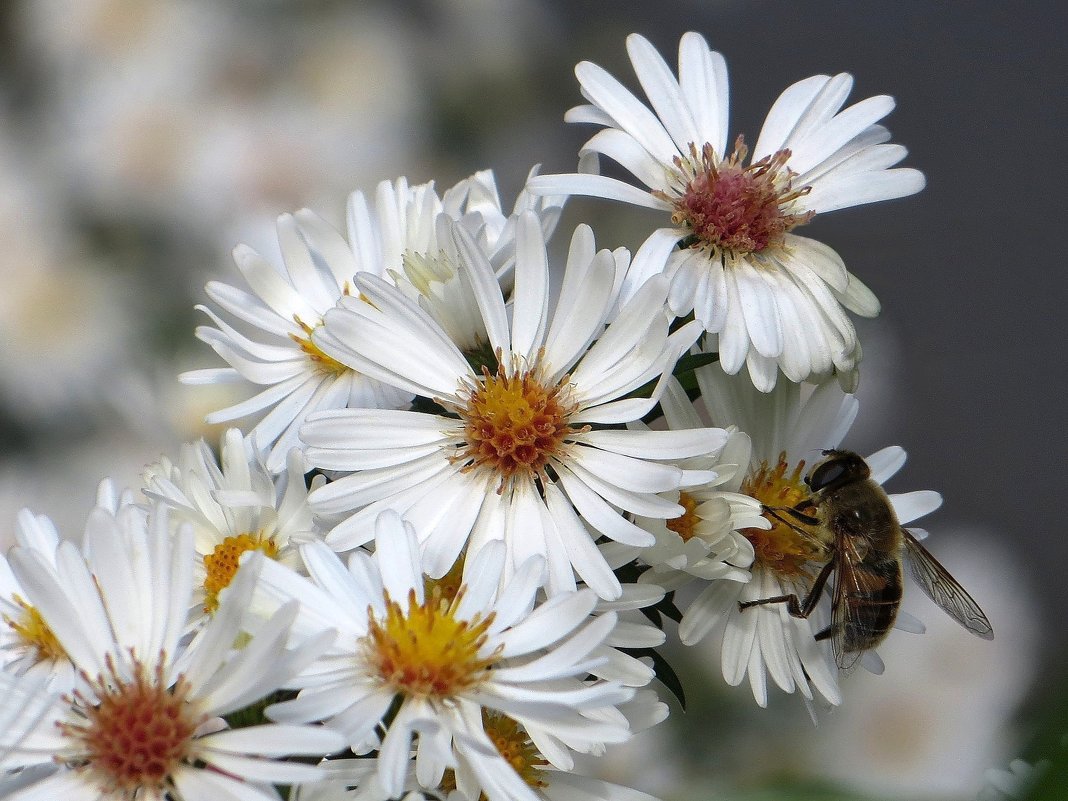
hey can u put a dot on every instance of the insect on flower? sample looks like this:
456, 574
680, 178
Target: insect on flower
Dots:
851, 519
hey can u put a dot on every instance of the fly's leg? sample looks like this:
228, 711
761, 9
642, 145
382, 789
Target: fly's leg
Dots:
794, 605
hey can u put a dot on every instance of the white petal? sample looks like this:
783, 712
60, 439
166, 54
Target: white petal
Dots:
834, 192
595, 186
703, 78
663, 92
633, 117
530, 304
911, 506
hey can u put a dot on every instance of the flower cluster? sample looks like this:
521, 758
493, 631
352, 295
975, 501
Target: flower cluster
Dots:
422, 569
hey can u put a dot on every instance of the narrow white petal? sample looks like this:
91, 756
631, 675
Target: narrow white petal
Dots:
530, 305
600, 515
823, 142
703, 79
631, 115
784, 114
834, 192
198, 783
397, 554
663, 92
275, 740
596, 186
623, 149
885, 463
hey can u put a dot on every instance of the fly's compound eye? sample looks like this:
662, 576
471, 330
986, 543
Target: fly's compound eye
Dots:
838, 469
825, 474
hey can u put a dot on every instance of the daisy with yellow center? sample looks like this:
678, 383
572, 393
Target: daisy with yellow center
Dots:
776, 300
397, 226
235, 505
533, 777
521, 449
775, 555
291, 376
143, 722
703, 543
413, 663
27, 643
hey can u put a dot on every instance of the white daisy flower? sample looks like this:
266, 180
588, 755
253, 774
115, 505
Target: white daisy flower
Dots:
514, 456
786, 428
233, 508
414, 659
703, 543
775, 299
144, 724
287, 307
27, 643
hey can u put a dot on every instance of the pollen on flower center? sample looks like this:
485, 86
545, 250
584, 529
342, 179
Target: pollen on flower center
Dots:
322, 363
731, 209
136, 733
222, 563
783, 548
513, 424
515, 745
34, 632
426, 651
685, 525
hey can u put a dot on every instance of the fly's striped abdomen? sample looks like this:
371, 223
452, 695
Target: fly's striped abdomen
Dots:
872, 595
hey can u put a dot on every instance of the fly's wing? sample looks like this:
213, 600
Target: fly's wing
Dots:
843, 611
944, 590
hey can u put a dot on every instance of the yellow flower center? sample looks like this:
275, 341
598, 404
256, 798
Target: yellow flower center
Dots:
426, 652
515, 746
136, 734
322, 363
785, 549
222, 563
733, 210
34, 632
448, 586
514, 424
686, 524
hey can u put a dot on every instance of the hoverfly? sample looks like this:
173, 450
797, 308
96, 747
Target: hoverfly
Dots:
851, 516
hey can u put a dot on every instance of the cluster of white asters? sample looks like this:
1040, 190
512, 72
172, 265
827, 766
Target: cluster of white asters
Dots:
419, 571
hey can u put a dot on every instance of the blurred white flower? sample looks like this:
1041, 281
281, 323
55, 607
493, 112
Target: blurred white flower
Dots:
1013, 784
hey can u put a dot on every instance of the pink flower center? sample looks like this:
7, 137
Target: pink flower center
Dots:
734, 210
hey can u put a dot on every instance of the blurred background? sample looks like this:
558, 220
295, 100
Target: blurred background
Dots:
140, 141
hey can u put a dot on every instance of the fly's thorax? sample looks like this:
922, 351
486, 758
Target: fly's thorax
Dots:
861, 510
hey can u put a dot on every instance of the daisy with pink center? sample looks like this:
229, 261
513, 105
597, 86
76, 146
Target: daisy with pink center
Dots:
775, 300
144, 721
